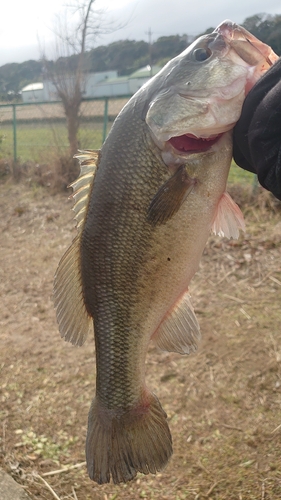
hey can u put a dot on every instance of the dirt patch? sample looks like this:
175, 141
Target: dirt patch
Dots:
223, 403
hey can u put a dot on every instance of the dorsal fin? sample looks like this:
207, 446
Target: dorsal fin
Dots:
88, 160
73, 319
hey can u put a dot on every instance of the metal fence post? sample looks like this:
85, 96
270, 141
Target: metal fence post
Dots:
105, 119
15, 131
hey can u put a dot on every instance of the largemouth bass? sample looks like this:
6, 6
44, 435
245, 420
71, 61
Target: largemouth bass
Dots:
145, 205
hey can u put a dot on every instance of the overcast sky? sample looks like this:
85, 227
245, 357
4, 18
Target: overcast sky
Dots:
23, 23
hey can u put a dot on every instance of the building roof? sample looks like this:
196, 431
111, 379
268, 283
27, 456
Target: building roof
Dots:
145, 72
33, 86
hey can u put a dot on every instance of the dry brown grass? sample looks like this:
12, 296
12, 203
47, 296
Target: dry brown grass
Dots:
223, 403
56, 174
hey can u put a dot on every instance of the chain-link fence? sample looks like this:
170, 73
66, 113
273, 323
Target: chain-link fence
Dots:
35, 131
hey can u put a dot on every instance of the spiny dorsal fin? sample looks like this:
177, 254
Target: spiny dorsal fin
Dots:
73, 319
88, 160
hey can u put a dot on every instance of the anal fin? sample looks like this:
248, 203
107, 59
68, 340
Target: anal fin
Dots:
179, 331
228, 218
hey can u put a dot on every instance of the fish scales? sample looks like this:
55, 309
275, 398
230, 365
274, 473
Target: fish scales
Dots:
115, 240
144, 207
131, 253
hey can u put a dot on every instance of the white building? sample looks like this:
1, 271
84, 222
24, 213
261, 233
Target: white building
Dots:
93, 80
111, 87
34, 92
100, 84
123, 85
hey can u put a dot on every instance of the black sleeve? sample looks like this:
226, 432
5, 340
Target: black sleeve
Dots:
257, 134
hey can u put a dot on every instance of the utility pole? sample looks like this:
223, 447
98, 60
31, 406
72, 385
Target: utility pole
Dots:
149, 33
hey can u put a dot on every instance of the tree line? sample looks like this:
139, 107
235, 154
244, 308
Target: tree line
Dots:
126, 56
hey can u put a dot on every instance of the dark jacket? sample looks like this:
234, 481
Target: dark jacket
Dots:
257, 134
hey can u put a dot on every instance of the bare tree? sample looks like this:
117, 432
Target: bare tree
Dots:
74, 33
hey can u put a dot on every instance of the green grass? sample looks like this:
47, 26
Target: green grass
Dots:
239, 176
36, 142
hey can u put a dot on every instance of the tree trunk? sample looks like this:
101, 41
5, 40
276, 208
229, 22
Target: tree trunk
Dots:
69, 83
72, 119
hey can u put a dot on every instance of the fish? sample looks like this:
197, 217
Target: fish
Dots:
145, 205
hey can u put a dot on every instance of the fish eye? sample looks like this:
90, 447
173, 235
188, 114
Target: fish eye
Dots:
201, 55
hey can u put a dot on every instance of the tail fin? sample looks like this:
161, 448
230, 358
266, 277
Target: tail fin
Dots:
121, 444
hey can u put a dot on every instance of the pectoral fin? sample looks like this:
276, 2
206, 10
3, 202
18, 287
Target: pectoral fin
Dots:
170, 196
228, 218
179, 331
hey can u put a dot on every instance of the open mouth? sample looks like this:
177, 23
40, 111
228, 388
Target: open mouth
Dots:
189, 143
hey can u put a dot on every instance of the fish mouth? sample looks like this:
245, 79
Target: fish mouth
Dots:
189, 143
246, 45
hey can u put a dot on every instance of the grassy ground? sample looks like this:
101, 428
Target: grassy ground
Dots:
239, 176
36, 142
41, 129
223, 403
